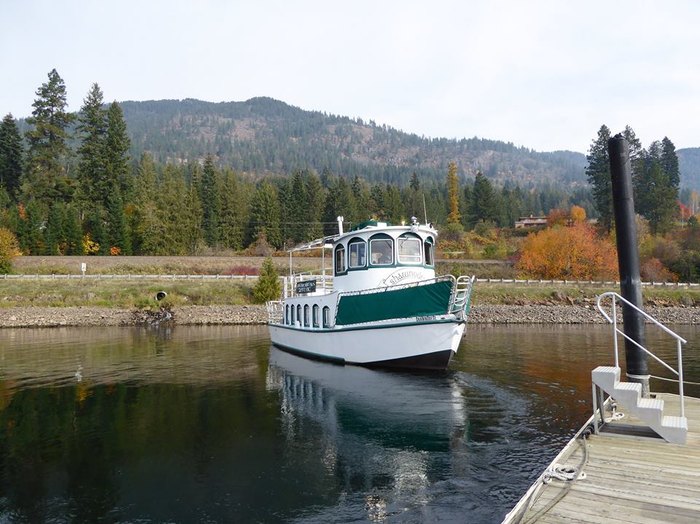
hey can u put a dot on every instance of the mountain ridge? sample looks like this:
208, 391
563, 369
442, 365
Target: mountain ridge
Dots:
264, 135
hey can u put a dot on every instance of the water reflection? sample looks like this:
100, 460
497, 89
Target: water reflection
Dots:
209, 424
380, 431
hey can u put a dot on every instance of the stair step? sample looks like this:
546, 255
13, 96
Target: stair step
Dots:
675, 422
628, 386
651, 403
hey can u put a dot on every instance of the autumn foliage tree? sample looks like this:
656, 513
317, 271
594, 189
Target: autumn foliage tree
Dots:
568, 253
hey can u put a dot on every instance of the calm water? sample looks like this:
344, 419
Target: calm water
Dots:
212, 425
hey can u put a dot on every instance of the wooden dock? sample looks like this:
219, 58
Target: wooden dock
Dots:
629, 476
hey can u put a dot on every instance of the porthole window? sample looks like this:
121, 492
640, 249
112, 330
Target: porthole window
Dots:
409, 249
381, 251
326, 317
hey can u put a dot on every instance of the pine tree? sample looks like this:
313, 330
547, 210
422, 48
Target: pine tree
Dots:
268, 284
209, 196
598, 173
45, 175
483, 206
117, 146
94, 185
11, 153
233, 211
657, 186
315, 200
265, 215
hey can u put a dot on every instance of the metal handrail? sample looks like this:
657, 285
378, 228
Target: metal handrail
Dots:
679, 340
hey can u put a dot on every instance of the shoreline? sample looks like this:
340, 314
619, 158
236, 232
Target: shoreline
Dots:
85, 316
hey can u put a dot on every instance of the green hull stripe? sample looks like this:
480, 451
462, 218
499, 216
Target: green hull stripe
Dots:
417, 301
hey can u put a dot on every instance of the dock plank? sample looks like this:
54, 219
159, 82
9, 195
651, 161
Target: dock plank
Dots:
628, 479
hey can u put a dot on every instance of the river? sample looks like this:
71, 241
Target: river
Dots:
210, 424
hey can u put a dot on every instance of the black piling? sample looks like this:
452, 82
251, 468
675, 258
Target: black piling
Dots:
628, 259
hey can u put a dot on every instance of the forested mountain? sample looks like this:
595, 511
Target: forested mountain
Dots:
689, 162
265, 136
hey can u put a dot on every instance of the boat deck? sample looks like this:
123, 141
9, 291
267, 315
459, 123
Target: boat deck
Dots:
631, 476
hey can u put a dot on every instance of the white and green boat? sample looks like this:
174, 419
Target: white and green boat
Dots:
380, 304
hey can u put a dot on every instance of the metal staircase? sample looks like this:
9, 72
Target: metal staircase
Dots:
629, 394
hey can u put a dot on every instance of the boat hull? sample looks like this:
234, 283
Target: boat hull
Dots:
414, 345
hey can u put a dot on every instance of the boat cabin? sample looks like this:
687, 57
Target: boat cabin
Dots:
375, 254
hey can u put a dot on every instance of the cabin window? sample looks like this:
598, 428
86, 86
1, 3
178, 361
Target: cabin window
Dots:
286, 314
409, 249
326, 317
429, 255
315, 315
340, 259
306, 315
292, 309
381, 251
357, 253
299, 313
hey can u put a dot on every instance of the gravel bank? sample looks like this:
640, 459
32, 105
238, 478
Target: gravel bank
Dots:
203, 315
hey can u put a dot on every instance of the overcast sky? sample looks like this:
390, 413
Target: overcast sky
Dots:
540, 74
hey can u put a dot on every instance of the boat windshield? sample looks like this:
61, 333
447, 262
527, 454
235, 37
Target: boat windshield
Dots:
409, 250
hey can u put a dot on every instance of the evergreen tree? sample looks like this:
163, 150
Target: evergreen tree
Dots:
192, 220
483, 203
598, 173
315, 200
233, 212
339, 202
54, 233
11, 152
73, 231
265, 215
268, 284
45, 175
657, 187
94, 185
295, 213
117, 150
117, 233
211, 204
393, 206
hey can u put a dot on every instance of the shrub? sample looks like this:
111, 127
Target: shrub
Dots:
9, 249
268, 285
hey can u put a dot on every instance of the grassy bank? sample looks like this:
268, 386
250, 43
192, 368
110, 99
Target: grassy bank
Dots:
141, 293
122, 293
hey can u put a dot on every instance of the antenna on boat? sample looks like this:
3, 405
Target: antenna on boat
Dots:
340, 225
425, 211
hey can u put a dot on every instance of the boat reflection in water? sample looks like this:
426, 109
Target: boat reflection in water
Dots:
382, 435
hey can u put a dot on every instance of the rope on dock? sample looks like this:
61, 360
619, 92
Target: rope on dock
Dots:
567, 474
675, 380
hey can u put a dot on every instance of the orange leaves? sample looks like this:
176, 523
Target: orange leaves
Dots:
568, 253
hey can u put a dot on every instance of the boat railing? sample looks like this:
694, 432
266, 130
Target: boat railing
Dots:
275, 312
612, 319
323, 282
460, 302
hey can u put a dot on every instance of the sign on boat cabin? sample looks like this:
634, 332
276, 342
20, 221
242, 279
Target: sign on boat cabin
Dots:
306, 286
